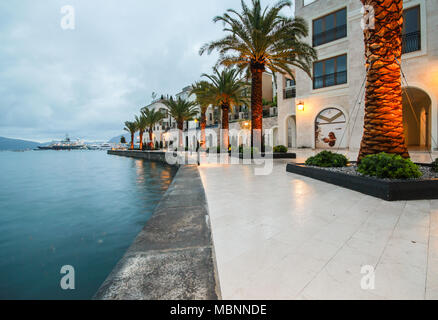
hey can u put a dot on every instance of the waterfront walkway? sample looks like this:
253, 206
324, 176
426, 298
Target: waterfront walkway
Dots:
285, 236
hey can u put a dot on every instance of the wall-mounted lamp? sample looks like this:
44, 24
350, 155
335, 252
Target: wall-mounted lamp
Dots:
300, 106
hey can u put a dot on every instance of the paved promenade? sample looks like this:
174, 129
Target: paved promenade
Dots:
284, 236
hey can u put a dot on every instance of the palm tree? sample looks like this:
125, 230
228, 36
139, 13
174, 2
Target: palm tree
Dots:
152, 118
383, 123
142, 124
181, 110
201, 90
131, 127
262, 38
226, 90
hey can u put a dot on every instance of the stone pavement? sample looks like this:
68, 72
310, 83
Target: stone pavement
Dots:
285, 236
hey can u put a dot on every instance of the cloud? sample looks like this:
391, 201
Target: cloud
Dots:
88, 81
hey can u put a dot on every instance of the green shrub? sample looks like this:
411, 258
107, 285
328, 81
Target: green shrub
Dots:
280, 149
327, 159
390, 166
435, 165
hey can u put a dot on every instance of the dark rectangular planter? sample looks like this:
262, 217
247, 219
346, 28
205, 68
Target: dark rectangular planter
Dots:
275, 155
383, 189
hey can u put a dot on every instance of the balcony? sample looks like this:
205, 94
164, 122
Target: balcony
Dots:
331, 79
330, 35
270, 112
289, 93
411, 42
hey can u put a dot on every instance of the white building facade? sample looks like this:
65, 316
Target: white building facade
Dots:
327, 110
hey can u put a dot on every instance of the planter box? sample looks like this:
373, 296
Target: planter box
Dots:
383, 189
274, 155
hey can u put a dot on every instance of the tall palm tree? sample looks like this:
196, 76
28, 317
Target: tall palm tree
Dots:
152, 118
201, 90
131, 127
181, 110
226, 90
142, 124
383, 123
262, 38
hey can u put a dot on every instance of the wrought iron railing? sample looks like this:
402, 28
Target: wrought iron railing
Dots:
411, 42
331, 79
289, 93
330, 35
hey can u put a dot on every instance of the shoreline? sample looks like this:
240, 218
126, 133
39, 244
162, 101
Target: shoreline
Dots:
173, 256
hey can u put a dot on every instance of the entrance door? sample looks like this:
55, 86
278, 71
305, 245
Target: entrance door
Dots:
417, 119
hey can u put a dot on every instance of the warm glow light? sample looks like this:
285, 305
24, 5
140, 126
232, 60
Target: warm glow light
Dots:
300, 106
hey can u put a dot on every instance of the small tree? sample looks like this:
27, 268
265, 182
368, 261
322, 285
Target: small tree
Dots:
181, 110
122, 140
131, 127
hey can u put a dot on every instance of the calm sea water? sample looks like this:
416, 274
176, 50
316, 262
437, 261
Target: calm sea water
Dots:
78, 208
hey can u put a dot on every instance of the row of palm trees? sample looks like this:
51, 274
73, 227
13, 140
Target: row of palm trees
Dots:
181, 110
256, 39
262, 39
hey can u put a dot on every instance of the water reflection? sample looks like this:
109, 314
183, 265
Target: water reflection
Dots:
75, 208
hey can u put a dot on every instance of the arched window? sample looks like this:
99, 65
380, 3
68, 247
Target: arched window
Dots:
330, 126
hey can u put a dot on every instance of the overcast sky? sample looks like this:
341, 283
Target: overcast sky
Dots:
88, 81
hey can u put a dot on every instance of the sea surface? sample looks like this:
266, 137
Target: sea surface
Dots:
70, 208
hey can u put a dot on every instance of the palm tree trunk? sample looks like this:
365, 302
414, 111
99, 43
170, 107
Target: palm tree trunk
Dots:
180, 125
383, 123
203, 125
132, 140
257, 103
225, 126
151, 144
141, 139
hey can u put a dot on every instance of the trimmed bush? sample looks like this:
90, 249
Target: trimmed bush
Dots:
327, 159
388, 166
435, 165
280, 149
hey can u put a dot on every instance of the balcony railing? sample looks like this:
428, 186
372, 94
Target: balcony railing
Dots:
411, 42
271, 112
330, 35
289, 93
331, 79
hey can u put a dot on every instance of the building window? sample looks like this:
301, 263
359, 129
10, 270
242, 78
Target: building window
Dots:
330, 27
330, 72
411, 30
290, 89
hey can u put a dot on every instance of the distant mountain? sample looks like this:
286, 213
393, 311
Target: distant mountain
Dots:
117, 139
15, 144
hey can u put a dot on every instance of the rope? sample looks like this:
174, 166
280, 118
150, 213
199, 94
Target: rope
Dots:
352, 113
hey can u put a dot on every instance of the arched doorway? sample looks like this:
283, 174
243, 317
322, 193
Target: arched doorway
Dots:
291, 133
417, 118
330, 126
